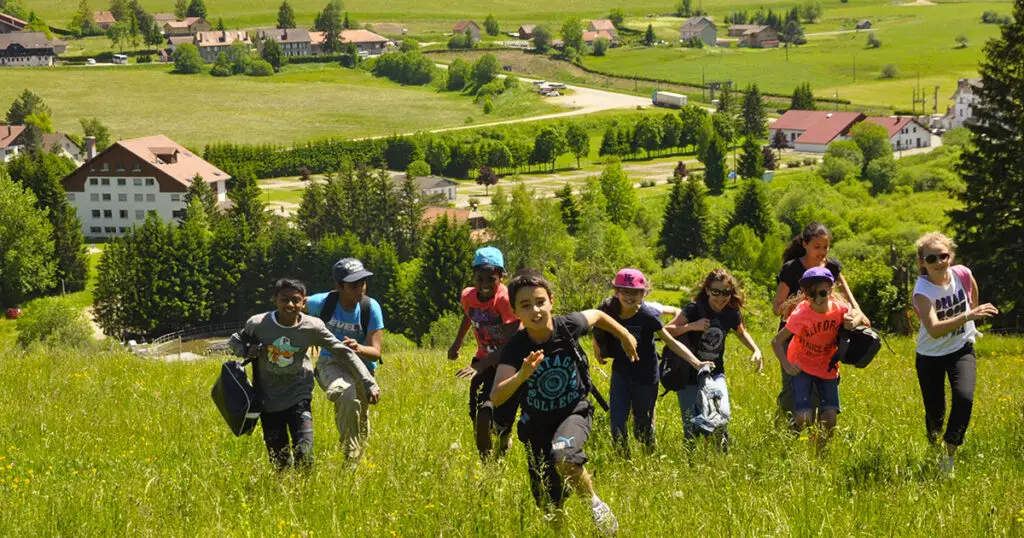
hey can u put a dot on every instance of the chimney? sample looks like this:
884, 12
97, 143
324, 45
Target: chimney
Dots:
90, 147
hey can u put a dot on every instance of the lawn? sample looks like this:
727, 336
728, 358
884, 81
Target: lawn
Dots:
301, 103
918, 40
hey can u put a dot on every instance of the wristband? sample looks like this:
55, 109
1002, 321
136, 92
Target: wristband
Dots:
967, 317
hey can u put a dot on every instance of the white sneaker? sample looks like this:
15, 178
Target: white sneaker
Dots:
946, 465
604, 518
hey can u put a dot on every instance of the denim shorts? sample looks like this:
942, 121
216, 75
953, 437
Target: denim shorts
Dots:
803, 385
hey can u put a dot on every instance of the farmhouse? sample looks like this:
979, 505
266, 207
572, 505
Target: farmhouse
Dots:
163, 18
366, 42
737, 30
10, 24
61, 144
759, 37
293, 41
590, 37
175, 40
29, 49
702, 28
904, 133
605, 25
477, 222
526, 31
430, 186
964, 99
103, 19
462, 26
210, 44
189, 26
813, 130
9, 144
116, 189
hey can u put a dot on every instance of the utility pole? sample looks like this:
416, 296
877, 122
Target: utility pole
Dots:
854, 68
935, 101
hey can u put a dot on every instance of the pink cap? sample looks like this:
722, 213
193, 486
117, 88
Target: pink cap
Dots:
630, 278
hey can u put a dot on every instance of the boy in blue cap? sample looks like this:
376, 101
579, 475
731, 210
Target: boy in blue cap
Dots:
487, 308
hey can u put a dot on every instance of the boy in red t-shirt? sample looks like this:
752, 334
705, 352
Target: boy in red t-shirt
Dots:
487, 308
814, 328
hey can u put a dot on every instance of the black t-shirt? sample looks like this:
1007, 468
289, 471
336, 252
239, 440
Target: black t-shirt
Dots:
793, 270
643, 326
709, 345
556, 385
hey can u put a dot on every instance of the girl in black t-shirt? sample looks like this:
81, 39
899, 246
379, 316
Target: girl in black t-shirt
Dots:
706, 322
807, 250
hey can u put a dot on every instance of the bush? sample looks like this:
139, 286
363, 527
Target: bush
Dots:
959, 137
54, 321
260, 68
810, 161
600, 46
405, 68
144, 59
488, 105
418, 168
187, 60
511, 82
880, 173
846, 149
890, 71
442, 331
991, 17
492, 88
836, 169
460, 41
873, 41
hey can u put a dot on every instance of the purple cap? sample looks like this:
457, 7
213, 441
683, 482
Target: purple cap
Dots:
630, 278
816, 273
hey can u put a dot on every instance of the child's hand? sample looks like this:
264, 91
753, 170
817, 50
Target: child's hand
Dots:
982, 311
702, 364
530, 364
351, 343
756, 358
700, 325
252, 351
374, 395
453, 352
791, 368
600, 360
629, 346
466, 372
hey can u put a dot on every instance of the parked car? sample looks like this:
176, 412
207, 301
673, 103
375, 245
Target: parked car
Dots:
91, 61
13, 312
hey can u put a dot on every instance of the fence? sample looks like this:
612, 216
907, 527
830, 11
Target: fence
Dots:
191, 333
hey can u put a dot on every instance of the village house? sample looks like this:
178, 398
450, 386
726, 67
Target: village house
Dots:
103, 19
163, 18
61, 144
430, 186
702, 28
462, 26
812, 131
190, 26
175, 40
526, 31
294, 41
476, 221
603, 25
590, 37
863, 24
13, 141
9, 144
964, 100
211, 44
366, 42
29, 49
904, 133
9, 24
115, 190
759, 37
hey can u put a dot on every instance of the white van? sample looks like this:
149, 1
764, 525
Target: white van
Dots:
121, 59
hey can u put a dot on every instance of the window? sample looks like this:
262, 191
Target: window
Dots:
110, 230
123, 213
150, 182
108, 213
95, 213
71, 197
121, 181
136, 167
178, 214
140, 214
150, 197
120, 167
105, 181
106, 167
138, 197
122, 230
94, 197
175, 197
95, 229
106, 197
122, 197
94, 181
138, 182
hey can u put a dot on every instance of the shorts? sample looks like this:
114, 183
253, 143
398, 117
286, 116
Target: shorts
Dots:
804, 385
480, 394
551, 442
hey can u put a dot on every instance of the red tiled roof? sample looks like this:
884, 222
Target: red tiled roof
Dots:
361, 36
13, 21
187, 164
590, 37
9, 133
461, 26
103, 17
818, 126
602, 24
893, 125
455, 215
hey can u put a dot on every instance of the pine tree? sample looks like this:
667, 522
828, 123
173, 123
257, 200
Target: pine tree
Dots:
803, 98
248, 200
609, 142
408, 223
196, 8
751, 160
989, 223
200, 189
569, 207
285, 15
753, 209
180, 9
649, 37
190, 306
714, 165
618, 190
447, 267
753, 113
684, 229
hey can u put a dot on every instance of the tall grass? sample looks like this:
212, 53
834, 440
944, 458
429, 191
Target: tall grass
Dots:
113, 444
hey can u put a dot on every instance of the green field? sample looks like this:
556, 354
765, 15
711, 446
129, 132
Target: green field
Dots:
918, 40
301, 103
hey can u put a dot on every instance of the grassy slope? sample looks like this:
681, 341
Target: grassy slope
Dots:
303, 102
129, 446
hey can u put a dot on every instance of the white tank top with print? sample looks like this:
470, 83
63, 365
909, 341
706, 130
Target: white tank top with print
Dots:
949, 301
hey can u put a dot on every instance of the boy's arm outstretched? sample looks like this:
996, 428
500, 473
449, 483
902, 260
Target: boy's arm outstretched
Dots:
597, 318
453, 351
346, 356
240, 341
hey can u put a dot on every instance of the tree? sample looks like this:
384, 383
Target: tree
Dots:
285, 16
961, 41
740, 249
240, 57
617, 16
648, 134
118, 35
569, 208
94, 128
578, 140
769, 158
486, 177
199, 190
793, 33
83, 22
119, 9
329, 22
714, 165
26, 265
725, 100
880, 173
459, 73
779, 140
649, 37
837, 169
683, 8
572, 34
541, 38
692, 118
548, 145
873, 41
890, 71
248, 201
751, 163
803, 98
684, 229
725, 126
753, 208
601, 45
348, 23
609, 142
222, 66
187, 59
754, 119
26, 104
447, 267
485, 69
872, 139
154, 35
516, 218
438, 154
273, 54
988, 224
491, 25
180, 9
810, 11
196, 8
847, 149
619, 193
220, 25
417, 169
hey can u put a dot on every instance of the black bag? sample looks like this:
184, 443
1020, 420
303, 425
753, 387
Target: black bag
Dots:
605, 341
583, 369
236, 398
857, 346
331, 303
676, 373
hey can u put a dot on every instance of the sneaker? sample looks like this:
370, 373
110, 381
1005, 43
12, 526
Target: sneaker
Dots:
604, 518
946, 466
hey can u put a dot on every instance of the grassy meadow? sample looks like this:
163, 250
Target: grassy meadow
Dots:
302, 102
109, 444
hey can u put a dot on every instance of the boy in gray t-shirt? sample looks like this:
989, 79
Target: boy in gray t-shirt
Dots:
284, 373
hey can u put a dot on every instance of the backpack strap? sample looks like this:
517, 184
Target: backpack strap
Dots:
964, 274
364, 314
329, 306
583, 369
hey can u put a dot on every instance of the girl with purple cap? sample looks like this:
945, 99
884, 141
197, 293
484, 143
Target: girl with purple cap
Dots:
634, 384
814, 327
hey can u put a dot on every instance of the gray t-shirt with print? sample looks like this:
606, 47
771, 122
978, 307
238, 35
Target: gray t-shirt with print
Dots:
285, 375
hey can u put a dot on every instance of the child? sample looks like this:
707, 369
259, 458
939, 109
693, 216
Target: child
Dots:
356, 320
946, 302
708, 319
284, 375
814, 328
542, 363
487, 307
634, 384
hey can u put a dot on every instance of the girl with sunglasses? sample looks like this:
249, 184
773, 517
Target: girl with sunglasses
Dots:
946, 302
707, 320
814, 327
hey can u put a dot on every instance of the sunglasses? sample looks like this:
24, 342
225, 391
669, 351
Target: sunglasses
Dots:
720, 293
820, 294
932, 258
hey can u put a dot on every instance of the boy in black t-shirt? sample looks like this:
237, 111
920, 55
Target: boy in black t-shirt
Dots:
543, 366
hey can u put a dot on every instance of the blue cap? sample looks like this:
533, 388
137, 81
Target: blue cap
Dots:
816, 273
489, 256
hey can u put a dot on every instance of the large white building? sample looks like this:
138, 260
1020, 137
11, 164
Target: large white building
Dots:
115, 190
904, 132
964, 100
29, 49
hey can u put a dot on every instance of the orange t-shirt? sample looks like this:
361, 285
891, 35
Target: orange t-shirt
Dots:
488, 318
814, 338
